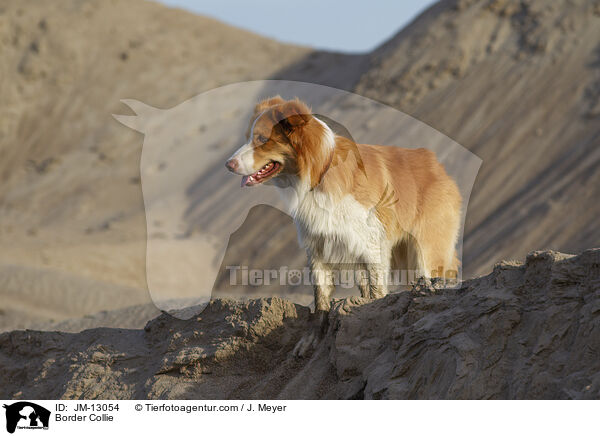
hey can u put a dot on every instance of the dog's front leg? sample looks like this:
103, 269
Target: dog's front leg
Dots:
323, 289
323, 285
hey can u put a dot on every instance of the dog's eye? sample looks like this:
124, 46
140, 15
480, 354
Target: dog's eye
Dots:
261, 139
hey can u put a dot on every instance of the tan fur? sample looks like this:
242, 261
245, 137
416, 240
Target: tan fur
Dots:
415, 199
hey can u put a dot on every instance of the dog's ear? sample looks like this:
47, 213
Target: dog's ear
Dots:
292, 114
267, 103
262, 106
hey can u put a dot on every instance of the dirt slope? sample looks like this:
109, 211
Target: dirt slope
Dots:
523, 331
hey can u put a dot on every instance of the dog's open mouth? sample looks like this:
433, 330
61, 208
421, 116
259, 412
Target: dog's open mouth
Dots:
262, 175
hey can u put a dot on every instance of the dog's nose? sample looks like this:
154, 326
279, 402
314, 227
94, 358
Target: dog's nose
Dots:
231, 164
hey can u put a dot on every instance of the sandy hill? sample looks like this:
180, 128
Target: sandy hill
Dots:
71, 206
516, 82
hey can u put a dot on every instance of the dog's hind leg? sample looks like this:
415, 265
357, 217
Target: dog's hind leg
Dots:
361, 275
378, 267
377, 281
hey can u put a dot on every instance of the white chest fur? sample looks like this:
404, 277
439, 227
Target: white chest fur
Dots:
339, 230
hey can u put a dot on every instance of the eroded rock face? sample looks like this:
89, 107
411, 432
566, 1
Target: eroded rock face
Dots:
524, 331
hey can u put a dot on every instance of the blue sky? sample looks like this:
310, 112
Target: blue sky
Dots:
349, 26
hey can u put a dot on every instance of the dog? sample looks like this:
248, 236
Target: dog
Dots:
374, 207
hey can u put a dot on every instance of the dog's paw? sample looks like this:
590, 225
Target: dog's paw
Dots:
306, 344
310, 340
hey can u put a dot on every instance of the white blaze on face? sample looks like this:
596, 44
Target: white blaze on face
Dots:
245, 154
245, 159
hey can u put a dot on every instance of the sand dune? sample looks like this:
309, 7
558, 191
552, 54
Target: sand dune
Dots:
32, 296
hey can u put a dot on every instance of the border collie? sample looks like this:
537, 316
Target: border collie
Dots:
374, 207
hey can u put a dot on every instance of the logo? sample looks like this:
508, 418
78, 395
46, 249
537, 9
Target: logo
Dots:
205, 231
26, 415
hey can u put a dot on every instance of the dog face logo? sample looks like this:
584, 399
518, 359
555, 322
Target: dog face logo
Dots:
205, 233
26, 415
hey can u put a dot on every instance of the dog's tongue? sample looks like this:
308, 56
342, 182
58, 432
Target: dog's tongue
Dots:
245, 180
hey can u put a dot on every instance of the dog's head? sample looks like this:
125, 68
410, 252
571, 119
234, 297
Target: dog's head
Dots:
284, 139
